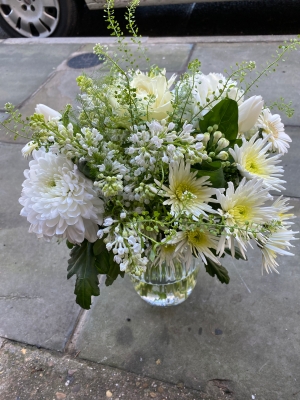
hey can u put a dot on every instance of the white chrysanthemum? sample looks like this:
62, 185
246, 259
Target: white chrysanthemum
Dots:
58, 200
186, 193
196, 243
240, 209
275, 244
253, 162
274, 129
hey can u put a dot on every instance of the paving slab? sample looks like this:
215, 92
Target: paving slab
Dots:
2, 116
36, 301
290, 163
23, 69
285, 82
246, 333
174, 58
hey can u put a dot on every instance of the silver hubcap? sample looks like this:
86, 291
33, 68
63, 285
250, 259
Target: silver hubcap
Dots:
31, 18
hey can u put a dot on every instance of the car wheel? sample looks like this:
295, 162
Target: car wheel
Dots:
39, 18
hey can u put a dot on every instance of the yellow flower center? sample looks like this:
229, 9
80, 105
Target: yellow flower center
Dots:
241, 214
168, 250
253, 166
197, 238
184, 192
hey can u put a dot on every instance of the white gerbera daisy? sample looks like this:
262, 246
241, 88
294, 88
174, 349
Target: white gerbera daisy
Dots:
274, 129
253, 161
187, 193
275, 244
58, 200
196, 243
240, 209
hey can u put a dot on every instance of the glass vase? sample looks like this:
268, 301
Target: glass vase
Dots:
166, 285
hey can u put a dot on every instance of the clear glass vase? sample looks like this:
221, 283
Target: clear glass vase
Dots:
165, 285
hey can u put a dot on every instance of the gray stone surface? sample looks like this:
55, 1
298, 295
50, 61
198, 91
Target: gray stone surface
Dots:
284, 82
36, 300
290, 163
172, 57
246, 332
2, 116
24, 68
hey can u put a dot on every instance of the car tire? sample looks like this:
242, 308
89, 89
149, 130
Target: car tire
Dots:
34, 18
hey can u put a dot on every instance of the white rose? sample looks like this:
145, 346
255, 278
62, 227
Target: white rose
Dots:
28, 149
47, 112
249, 112
156, 87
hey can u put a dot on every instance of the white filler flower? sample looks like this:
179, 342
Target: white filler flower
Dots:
59, 201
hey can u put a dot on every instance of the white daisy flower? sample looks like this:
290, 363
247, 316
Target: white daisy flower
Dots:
166, 254
187, 193
196, 243
282, 208
240, 208
274, 129
253, 162
275, 244
60, 201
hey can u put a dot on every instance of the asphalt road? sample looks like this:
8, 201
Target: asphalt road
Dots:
261, 17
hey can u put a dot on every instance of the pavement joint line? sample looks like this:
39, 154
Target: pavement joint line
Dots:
70, 346
153, 40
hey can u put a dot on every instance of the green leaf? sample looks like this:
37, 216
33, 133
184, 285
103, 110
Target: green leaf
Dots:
83, 167
69, 244
216, 177
65, 116
102, 257
237, 254
225, 115
82, 263
105, 263
214, 269
113, 273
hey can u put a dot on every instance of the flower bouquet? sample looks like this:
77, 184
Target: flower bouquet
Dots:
155, 171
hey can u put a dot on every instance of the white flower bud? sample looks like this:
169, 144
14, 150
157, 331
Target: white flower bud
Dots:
222, 143
217, 136
223, 155
249, 112
47, 112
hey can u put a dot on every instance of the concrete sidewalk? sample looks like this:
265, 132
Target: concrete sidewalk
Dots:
239, 341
